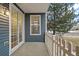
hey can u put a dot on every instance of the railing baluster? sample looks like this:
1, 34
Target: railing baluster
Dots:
77, 50
57, 45
60, 47
63, 42
69, 48
53, 45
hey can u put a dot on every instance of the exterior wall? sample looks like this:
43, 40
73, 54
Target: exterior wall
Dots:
4, 34
4, 50
34, 38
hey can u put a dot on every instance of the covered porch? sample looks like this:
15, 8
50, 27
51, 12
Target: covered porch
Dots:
23, 32
31, 32
34, 40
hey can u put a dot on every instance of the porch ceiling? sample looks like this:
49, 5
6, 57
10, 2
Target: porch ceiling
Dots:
33, 7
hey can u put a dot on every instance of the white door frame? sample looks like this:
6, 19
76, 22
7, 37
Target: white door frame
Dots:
11, 50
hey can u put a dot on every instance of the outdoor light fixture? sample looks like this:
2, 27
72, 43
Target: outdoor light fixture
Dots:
4, 10
7, 12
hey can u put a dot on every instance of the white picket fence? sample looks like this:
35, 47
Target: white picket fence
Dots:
59, 47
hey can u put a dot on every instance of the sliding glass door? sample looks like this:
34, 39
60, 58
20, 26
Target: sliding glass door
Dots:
16, 27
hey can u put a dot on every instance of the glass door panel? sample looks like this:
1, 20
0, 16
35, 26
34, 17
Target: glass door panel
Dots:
14, 28
20, 22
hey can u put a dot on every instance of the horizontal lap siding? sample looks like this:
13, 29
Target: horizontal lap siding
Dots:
4, 36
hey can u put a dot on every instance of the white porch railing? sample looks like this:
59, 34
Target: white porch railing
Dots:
57, 46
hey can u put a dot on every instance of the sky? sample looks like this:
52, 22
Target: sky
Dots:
76, 6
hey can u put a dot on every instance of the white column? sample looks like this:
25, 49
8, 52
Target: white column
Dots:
10, 29
46, 22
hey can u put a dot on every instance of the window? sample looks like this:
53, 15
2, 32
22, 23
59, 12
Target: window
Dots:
35, 25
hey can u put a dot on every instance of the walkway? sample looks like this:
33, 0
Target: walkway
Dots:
32, 49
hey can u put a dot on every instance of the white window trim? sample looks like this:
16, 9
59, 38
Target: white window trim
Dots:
39, 24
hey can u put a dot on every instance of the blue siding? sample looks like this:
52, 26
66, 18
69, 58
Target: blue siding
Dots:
34, 38
4, 50
4, 36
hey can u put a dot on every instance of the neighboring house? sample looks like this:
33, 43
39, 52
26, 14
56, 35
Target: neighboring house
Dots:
27, 23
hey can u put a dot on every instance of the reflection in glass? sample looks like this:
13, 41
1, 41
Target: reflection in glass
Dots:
35, 29
35, 24
35, 20
20, 22
14, 28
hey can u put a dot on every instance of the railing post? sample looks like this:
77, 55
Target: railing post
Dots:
77, 50
49, 43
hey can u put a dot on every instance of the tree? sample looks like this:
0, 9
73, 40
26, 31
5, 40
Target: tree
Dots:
61, 17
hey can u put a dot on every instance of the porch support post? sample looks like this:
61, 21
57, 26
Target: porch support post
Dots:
10, 30
46, 22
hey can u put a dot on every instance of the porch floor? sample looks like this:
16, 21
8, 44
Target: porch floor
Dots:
32, 49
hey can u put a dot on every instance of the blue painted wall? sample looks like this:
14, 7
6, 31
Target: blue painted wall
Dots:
4, 37
4, 50
34, 38
4, 33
